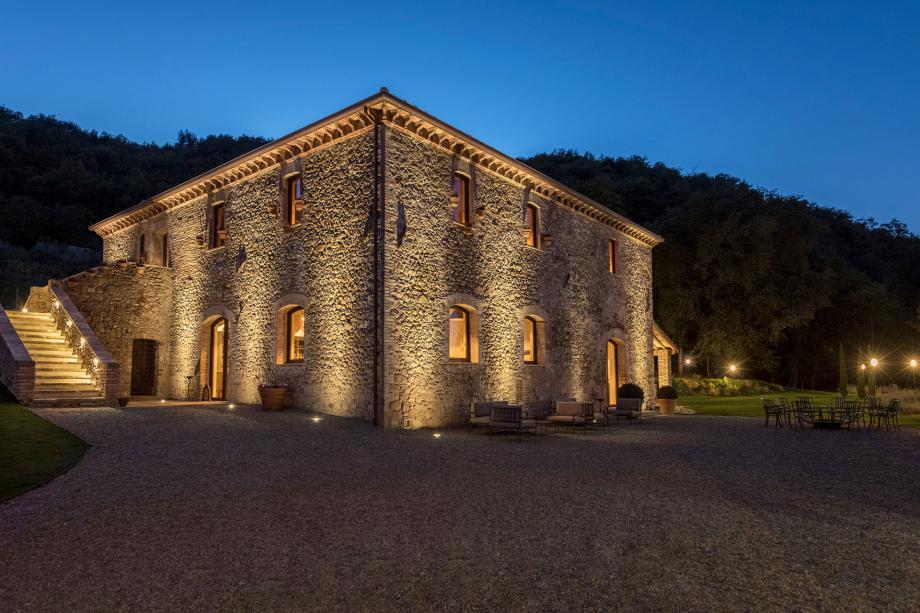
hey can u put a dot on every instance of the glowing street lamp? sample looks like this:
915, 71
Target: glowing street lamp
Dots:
873, 362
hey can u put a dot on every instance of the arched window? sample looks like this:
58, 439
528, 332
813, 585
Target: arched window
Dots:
459, 342
460, 200
532, 225
531, 340
294, 335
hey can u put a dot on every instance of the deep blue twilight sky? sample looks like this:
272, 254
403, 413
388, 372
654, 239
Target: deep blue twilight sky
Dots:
819, 99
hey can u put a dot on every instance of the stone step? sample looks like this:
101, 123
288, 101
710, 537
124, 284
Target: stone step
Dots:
58, 367
59, 402
44, 376
54, 359
29, 324
40, 355
65, 391
29, 315
43, 340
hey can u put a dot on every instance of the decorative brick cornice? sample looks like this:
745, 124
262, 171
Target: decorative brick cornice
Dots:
354, 120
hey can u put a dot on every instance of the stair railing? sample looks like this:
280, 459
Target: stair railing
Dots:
95, 358
17, 369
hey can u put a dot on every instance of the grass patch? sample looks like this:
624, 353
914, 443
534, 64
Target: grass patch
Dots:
750, 406
32, 450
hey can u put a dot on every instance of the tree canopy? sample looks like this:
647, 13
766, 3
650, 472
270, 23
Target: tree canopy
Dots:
773, 283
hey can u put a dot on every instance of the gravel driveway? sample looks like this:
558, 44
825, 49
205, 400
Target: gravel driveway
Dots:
208, 508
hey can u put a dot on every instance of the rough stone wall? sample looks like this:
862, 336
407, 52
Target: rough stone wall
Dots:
326, 259
124, 303
432, 262
120, 245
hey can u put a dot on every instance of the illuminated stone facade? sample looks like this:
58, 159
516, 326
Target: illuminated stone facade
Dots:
427, 263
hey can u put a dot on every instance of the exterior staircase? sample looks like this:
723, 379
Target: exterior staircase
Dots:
60, 380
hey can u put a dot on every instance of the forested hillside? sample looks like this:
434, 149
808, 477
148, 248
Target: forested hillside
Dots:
771, 282
56, 179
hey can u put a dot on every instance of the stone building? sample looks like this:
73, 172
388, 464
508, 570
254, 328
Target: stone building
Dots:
381, 263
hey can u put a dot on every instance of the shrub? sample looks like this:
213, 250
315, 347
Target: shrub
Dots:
666, 392
630, 390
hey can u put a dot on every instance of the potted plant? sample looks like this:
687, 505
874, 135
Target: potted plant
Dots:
667, 396
272, 395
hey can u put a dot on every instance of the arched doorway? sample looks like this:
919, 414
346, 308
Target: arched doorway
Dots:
217, 358
613, 371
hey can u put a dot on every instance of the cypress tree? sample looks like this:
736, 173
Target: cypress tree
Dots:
861, 377
844, 380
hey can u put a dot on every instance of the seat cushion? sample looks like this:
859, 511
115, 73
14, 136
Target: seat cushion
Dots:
569, 408
567, 419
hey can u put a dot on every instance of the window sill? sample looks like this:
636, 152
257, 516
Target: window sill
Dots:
532, 248
289, 364
468, 228
210, 249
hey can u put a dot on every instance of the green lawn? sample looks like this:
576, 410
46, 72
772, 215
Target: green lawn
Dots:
32, 450
750, 406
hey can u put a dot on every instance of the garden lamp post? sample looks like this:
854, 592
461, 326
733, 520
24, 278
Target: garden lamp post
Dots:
732, 368
873, 380
913, 376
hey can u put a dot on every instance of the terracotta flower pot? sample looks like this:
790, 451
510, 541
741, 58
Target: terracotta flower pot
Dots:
666, 406
272, 398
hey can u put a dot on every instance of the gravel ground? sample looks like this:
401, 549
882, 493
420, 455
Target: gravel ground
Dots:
207, 508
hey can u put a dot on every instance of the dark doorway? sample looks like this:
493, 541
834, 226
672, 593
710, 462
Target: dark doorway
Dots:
143, 367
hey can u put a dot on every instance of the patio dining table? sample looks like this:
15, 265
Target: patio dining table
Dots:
829, 416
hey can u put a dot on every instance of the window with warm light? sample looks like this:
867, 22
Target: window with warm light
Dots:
218, 231
613, 255
295, 335
530, 340
460, 200
532, 225
293, 189
459, 334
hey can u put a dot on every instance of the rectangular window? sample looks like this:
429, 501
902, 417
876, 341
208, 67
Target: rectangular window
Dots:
295, 335
218, 231
165, 247
459, 334
614, 257
142, 249
530, 340
460, 201
293, 188
532, 225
